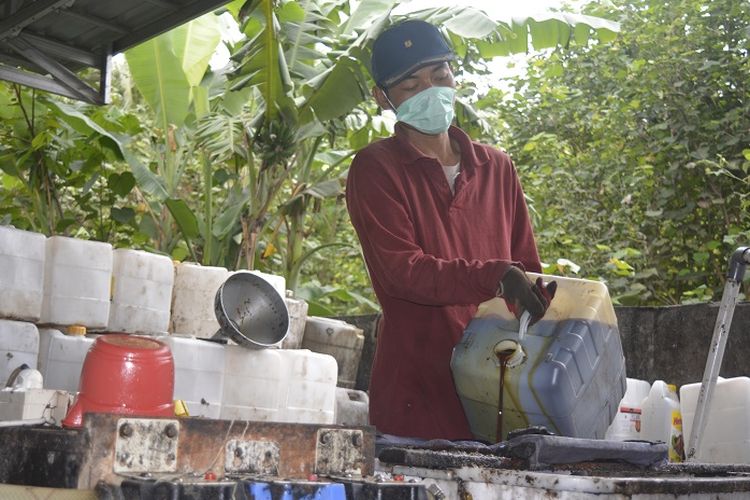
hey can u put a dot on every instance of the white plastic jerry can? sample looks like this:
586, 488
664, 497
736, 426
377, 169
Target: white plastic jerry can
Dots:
141, 292
311, 390
21, 274
255, 384
19, 345
339, 339
77, 278
61, 357
198, 374
661, 419
726, 438
297, 318
352, 407
195, 288
627, 423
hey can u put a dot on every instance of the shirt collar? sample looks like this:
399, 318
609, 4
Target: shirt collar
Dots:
471, 155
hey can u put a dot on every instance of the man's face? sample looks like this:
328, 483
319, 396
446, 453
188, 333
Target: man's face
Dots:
435, 75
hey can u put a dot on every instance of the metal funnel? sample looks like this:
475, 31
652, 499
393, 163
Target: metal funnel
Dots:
250, 311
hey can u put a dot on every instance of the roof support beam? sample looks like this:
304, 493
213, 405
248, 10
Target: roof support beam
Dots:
12, 26
35, 81
96, 21
61, 50
60, 73
164, 4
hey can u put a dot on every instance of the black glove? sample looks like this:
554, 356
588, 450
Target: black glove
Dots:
522, 295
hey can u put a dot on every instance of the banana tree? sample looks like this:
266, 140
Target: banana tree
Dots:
167, 71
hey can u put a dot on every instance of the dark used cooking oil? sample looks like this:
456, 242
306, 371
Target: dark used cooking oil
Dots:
502, 357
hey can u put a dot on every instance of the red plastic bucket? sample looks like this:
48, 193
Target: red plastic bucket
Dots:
125, 374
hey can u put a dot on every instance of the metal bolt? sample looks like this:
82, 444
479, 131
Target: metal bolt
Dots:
325, 438
238, 452
357, 439
171, 431
126, 430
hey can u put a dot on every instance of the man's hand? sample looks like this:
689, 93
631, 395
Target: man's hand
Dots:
522, 295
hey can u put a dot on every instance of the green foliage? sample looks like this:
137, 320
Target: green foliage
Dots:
59, 173
634, 154
242, 167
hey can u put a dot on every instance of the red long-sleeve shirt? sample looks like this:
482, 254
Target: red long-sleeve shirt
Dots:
432, 258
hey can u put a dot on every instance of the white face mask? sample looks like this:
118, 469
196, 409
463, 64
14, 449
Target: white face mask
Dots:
430, 111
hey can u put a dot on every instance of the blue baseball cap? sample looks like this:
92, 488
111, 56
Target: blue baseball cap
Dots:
406, 47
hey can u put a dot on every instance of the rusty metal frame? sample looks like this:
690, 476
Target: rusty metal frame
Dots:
88, 455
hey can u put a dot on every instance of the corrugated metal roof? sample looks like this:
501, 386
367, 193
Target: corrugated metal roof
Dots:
45, 43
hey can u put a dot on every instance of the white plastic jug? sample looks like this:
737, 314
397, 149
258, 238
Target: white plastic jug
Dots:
21, 274
312, 387
141, 292
627, 423
726, 438
255, 384
77, 277
297, 318
352, 407
279, 385
661, 419
19, 345
570, 371
198, 374
339, 339
61, 358
193, 297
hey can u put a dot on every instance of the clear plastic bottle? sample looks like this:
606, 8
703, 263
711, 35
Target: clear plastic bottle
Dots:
627, 423
661, 419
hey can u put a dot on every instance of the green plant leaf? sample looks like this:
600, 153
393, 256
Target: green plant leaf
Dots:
121, 184
123, 215
148, 181
184, 217
85, 125
157, 72
194, 44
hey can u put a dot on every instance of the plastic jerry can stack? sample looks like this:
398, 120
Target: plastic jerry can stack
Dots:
193, 296
661, 419
627, 424
61, 357
21, 274
198, 374
77, 277
339, 339
19, 345
255, 384
141, 292
567, 373
726, 438
311, 395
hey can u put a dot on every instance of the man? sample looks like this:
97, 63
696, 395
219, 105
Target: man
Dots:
443, 226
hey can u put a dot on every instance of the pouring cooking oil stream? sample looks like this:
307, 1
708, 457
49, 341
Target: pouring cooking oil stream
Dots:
509, 352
